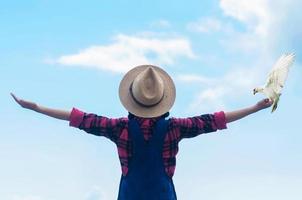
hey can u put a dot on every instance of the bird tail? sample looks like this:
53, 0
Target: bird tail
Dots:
275, 104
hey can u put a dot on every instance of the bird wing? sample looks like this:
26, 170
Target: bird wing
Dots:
279, 73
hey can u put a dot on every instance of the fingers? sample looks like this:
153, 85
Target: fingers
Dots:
265, 103
15, 98
268, 102
21, 102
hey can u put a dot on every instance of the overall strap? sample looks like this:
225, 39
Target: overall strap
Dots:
159, 132
137, 138
146, 178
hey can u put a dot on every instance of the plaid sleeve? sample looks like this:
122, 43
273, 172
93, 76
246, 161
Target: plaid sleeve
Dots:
194, 126
97, 125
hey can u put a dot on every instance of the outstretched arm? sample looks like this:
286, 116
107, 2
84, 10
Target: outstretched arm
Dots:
238, 114
59, 114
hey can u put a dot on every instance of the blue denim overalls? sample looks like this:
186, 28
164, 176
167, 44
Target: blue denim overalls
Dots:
146, 178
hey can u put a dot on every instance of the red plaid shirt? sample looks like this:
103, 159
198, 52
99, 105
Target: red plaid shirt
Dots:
116, 129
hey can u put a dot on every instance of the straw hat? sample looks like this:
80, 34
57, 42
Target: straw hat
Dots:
147, 91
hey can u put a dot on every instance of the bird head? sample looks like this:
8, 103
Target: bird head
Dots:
256, 90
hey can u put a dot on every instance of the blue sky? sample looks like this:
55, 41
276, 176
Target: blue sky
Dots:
65, 54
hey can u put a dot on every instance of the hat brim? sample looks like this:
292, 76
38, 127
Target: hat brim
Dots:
142, 111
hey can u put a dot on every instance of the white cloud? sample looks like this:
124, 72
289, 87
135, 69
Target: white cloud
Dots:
258, 20
257, 17
246, 42
268, 28
209, 100
216, 93
271, 25
160, 24
126, 52
193, 78
205, 25
255, 14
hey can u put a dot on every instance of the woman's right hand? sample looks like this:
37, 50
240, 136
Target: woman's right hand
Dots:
264, 103
25, 104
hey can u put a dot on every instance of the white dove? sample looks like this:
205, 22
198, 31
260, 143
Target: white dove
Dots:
276, 79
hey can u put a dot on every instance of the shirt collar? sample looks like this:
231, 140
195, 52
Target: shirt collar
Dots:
154, 119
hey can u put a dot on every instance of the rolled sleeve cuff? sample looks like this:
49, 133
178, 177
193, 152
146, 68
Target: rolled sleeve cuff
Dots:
76, 117
220, 120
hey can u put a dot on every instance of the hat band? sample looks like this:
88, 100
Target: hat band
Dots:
140, 103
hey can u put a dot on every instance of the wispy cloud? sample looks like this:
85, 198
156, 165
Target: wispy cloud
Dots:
264, 22
255, 14
127, 51
218, 92
259, 38
160, 24
205, 25
194, 78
